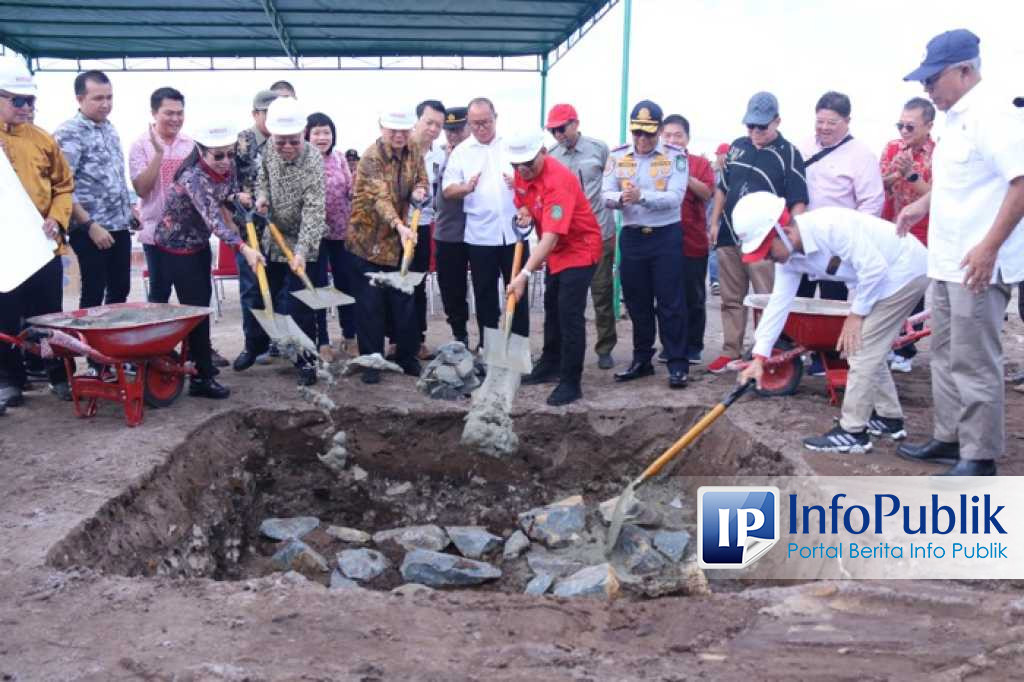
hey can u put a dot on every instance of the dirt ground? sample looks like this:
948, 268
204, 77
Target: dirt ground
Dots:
84, 623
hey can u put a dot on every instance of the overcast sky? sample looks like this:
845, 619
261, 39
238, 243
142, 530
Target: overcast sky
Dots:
700, 58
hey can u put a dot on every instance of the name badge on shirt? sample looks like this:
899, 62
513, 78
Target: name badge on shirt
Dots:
661, 167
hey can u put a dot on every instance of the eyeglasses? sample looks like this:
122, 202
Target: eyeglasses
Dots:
19, 101
757, 126
909, 127
287, 142
220, 156
560, 129
643, 133
487, 123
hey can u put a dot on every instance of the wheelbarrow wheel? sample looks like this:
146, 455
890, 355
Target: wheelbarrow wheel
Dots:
781, 379
163, 388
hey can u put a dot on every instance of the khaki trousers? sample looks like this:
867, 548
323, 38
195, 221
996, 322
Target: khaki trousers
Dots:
869, 384
734, 279
602, 291
967, 368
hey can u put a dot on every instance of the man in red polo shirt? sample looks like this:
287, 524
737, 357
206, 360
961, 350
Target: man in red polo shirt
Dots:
675, 129
550, 196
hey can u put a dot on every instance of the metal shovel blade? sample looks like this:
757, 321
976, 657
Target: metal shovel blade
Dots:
323, 298
619, 515
283, 329
512, 353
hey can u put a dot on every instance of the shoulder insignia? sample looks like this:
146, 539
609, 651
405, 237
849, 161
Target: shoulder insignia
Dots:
680, 163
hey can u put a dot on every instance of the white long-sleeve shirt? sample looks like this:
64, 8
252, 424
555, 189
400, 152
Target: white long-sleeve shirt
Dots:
489, 208
874, 264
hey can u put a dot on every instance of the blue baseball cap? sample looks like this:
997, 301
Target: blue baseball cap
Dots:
951, 47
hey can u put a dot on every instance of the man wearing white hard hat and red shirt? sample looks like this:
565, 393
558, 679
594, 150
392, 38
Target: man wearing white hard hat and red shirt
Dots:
551, 197
49, 182
886, 276
291, 192
391, 176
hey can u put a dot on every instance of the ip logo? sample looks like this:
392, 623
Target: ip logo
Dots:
735, 525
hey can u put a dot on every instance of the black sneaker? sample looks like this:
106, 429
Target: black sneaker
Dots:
307, 375
207, 388
886, 426
544, 372
564, 394
11, 396
244, 361
274, 351
839, 440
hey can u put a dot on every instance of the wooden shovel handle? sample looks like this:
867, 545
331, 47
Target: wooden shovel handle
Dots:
279, 238
517, 265
261, 273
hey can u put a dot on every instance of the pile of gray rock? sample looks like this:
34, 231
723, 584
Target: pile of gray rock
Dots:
451, 375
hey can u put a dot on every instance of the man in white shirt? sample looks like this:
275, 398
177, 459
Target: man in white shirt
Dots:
886, 276
478, 173
975, 253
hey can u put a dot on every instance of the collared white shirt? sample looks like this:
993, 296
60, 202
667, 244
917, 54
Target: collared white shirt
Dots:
489, 208
874, 264
978, 151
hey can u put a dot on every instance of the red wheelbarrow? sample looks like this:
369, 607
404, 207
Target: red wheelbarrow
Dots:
146, 335
814, 326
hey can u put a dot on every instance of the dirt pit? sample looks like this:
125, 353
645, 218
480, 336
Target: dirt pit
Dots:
199, 515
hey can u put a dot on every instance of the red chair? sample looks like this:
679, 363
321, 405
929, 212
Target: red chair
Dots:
225, 268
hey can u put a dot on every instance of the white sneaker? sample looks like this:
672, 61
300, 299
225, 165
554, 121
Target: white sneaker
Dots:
901, 364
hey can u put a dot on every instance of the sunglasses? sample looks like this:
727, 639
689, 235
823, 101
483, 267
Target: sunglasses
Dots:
757, 126
643, 133
909, 127
285, 142
560, 129
19, 101
220, 156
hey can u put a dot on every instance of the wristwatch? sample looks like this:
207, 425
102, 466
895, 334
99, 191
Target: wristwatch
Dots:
913, 177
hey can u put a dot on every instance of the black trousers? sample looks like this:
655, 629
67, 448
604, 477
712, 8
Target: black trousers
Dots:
106, 273
830, 291
189, 276
334, 254
159, 286
486, 264
649, 268
695, 272
565, 329
452, 269
421, 263
375, 306
40, 294
282, 282
249, 296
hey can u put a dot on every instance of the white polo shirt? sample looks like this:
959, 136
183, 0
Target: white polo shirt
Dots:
489, 208
978, 151
874, 263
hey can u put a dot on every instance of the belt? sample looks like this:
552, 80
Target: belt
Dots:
644, 229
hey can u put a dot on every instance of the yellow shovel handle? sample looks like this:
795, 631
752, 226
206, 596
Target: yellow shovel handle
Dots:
517, 265
261, 273
283, 245
687, 438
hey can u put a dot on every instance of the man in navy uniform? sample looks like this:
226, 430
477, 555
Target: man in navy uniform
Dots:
646, 180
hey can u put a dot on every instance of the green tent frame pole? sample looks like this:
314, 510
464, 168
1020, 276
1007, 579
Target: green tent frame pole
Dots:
543, 87
623, 114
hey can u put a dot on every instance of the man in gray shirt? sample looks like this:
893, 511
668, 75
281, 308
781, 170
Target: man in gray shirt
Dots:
587, 158
451, 252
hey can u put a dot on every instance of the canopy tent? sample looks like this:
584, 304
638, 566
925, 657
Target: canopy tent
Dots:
130, 34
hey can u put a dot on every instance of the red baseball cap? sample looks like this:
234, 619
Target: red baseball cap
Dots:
561, 114
761, 251
722, 148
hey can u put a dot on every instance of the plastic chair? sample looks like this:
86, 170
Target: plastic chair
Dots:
225, 268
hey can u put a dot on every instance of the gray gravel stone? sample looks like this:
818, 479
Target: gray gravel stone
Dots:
672, 543
539, 584
446, 570
340, 582
542, 562
287, 528
362, 564
296, 555
636, 512
349, 535
473, 541
637, 546
414, 537
516, 544
556, 525
593, 581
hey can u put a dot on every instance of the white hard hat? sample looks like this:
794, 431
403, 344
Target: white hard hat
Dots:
285, 117
397, 119
524, 146
216, 134
15, 78
754, 216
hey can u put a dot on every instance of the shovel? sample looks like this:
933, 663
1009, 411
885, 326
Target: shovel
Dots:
403, 280
320, 298
281, 329
503, 348
629, 494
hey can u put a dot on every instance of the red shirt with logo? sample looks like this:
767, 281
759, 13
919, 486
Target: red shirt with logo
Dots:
693, 212
557, 203
902, 192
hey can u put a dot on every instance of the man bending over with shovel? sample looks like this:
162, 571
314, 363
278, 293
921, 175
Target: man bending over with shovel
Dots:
550, 196
390, 176
886, 276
